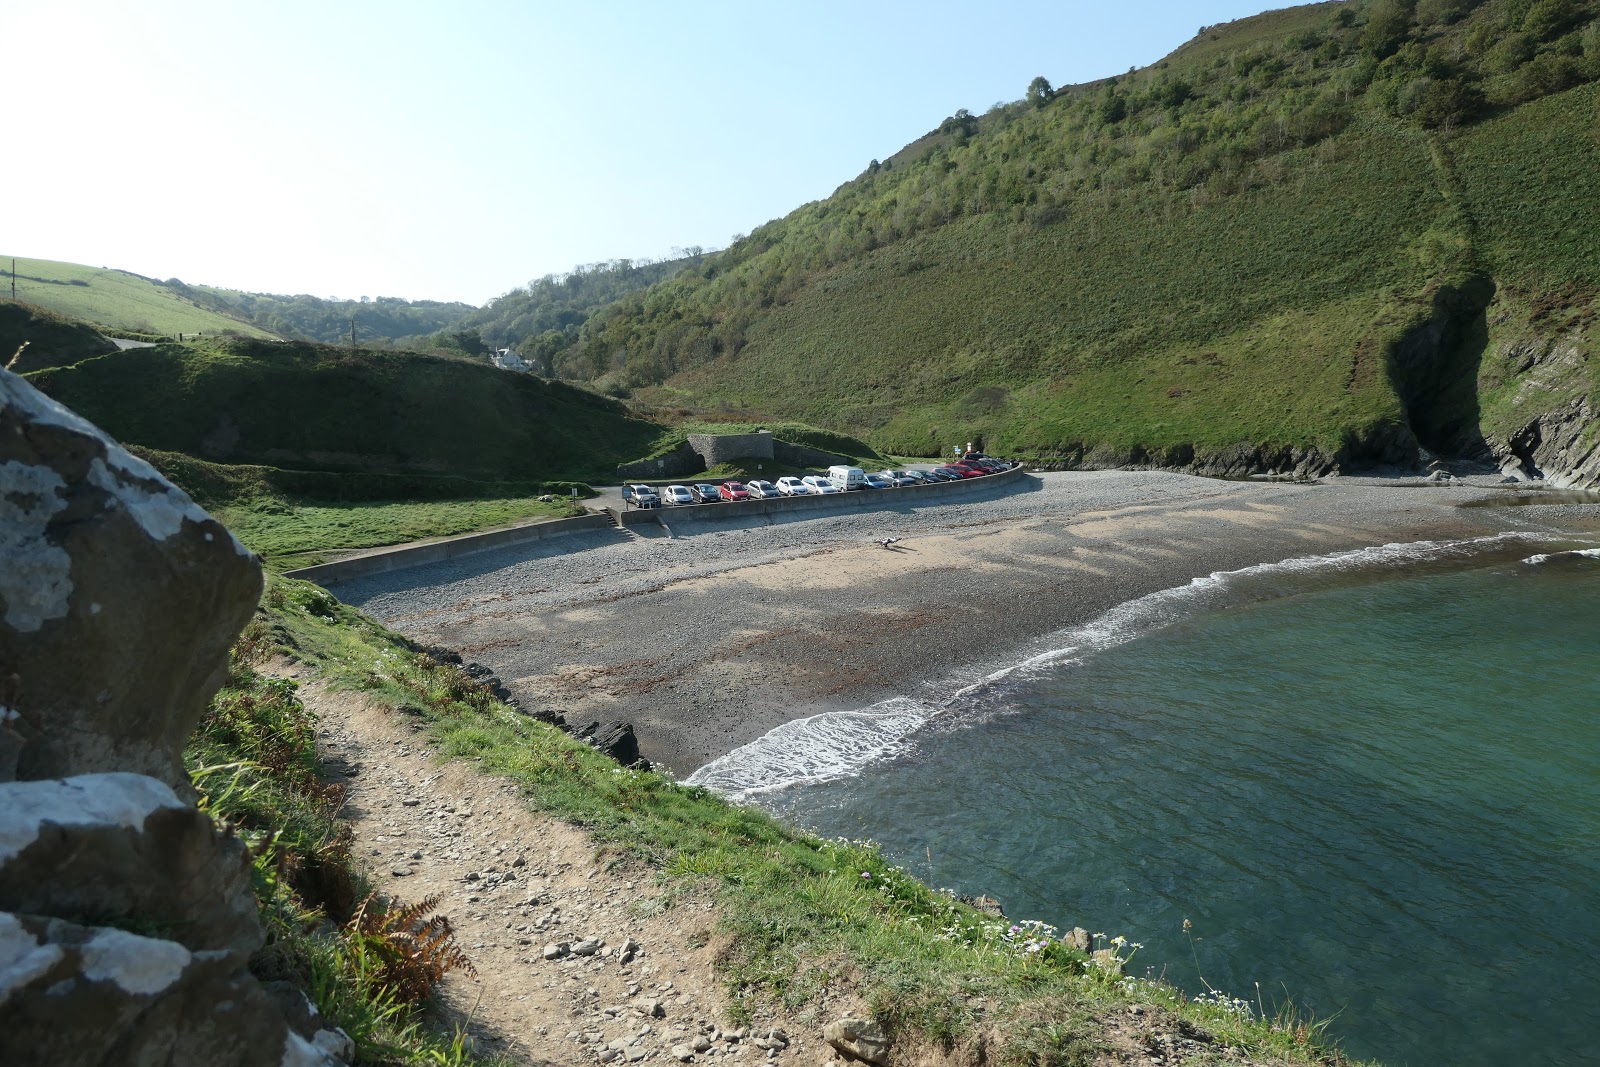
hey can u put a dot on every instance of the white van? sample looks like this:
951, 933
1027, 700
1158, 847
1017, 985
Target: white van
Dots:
847, 478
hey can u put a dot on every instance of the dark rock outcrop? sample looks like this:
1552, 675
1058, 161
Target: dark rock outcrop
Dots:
617, 740
119, 598
126, 918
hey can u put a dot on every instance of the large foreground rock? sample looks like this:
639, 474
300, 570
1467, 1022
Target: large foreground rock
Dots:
120, 846
119, 599
79, 996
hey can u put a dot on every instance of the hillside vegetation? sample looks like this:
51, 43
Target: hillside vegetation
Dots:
117, 301
311, 318
51, 340
543, 318
1318, 235
379, 425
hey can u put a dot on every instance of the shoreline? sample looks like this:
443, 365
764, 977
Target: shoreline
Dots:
708, 640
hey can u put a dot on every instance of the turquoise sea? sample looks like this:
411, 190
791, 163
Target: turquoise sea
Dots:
1371, 782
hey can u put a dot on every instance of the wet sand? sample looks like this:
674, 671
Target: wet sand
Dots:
708, 639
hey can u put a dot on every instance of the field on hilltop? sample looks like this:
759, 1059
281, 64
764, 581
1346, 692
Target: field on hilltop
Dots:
1325, 234
115, 300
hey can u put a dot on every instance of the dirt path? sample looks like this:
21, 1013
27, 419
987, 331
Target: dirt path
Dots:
634, 982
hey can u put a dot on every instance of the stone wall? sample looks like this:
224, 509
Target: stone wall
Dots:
681, 462
702, 451
716, 448
801, 456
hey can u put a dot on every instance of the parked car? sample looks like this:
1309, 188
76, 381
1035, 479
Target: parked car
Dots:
762, 490
918, 478
879, 481
949, 474
641, 496
676, 495
733, 491
705, 493
793, 487
899, 478
819, 485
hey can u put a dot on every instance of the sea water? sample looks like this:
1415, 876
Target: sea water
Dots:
1369, 782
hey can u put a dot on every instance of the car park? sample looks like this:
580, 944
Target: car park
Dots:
705, 493
879, 481
762, 490
793, 487
819, 485
641, 496
676, 496
733, 491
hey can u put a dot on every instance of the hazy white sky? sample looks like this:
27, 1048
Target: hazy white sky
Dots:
452, 151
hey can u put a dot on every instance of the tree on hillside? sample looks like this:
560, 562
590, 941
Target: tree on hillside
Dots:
1388, 26
1039, 92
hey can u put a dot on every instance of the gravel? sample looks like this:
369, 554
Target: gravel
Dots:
709, 637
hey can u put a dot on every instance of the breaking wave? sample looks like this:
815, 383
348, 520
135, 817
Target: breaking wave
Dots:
839, 744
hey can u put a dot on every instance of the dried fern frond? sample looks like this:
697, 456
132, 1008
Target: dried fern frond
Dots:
414, 950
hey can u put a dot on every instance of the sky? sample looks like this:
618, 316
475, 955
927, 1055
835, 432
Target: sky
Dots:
457, 150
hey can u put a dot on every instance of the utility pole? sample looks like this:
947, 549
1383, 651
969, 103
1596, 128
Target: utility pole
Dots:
352, 333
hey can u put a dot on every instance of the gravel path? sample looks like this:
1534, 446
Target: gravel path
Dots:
579, 958
707, 639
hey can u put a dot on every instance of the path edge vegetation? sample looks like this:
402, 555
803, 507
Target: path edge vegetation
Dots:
803, 922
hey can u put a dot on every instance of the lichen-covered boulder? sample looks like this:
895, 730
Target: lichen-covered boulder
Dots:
123, 847
84, 996
119, 599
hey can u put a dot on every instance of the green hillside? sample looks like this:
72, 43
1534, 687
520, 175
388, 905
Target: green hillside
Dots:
114, 300
1308, 236
52, 340
543, 318
312, 318
392, 425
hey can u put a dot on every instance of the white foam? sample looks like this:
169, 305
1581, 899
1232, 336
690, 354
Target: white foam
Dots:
840, 744
1576, 553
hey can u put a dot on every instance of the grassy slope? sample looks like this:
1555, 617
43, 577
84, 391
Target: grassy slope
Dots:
291, 534
115, 299
1532, 179
53, 340
1039, 339
1241, 263
804, 918
320, 408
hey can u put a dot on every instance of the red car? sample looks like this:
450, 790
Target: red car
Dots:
733, 491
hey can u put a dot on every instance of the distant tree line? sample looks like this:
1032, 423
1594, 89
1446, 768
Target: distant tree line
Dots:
543, 319
386, 320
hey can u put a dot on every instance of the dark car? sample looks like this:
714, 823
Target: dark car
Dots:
705, 493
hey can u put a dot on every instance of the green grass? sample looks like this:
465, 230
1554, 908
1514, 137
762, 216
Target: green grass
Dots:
801, 918
382, 414
300, 535
254, 763
115, 300
52, 340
